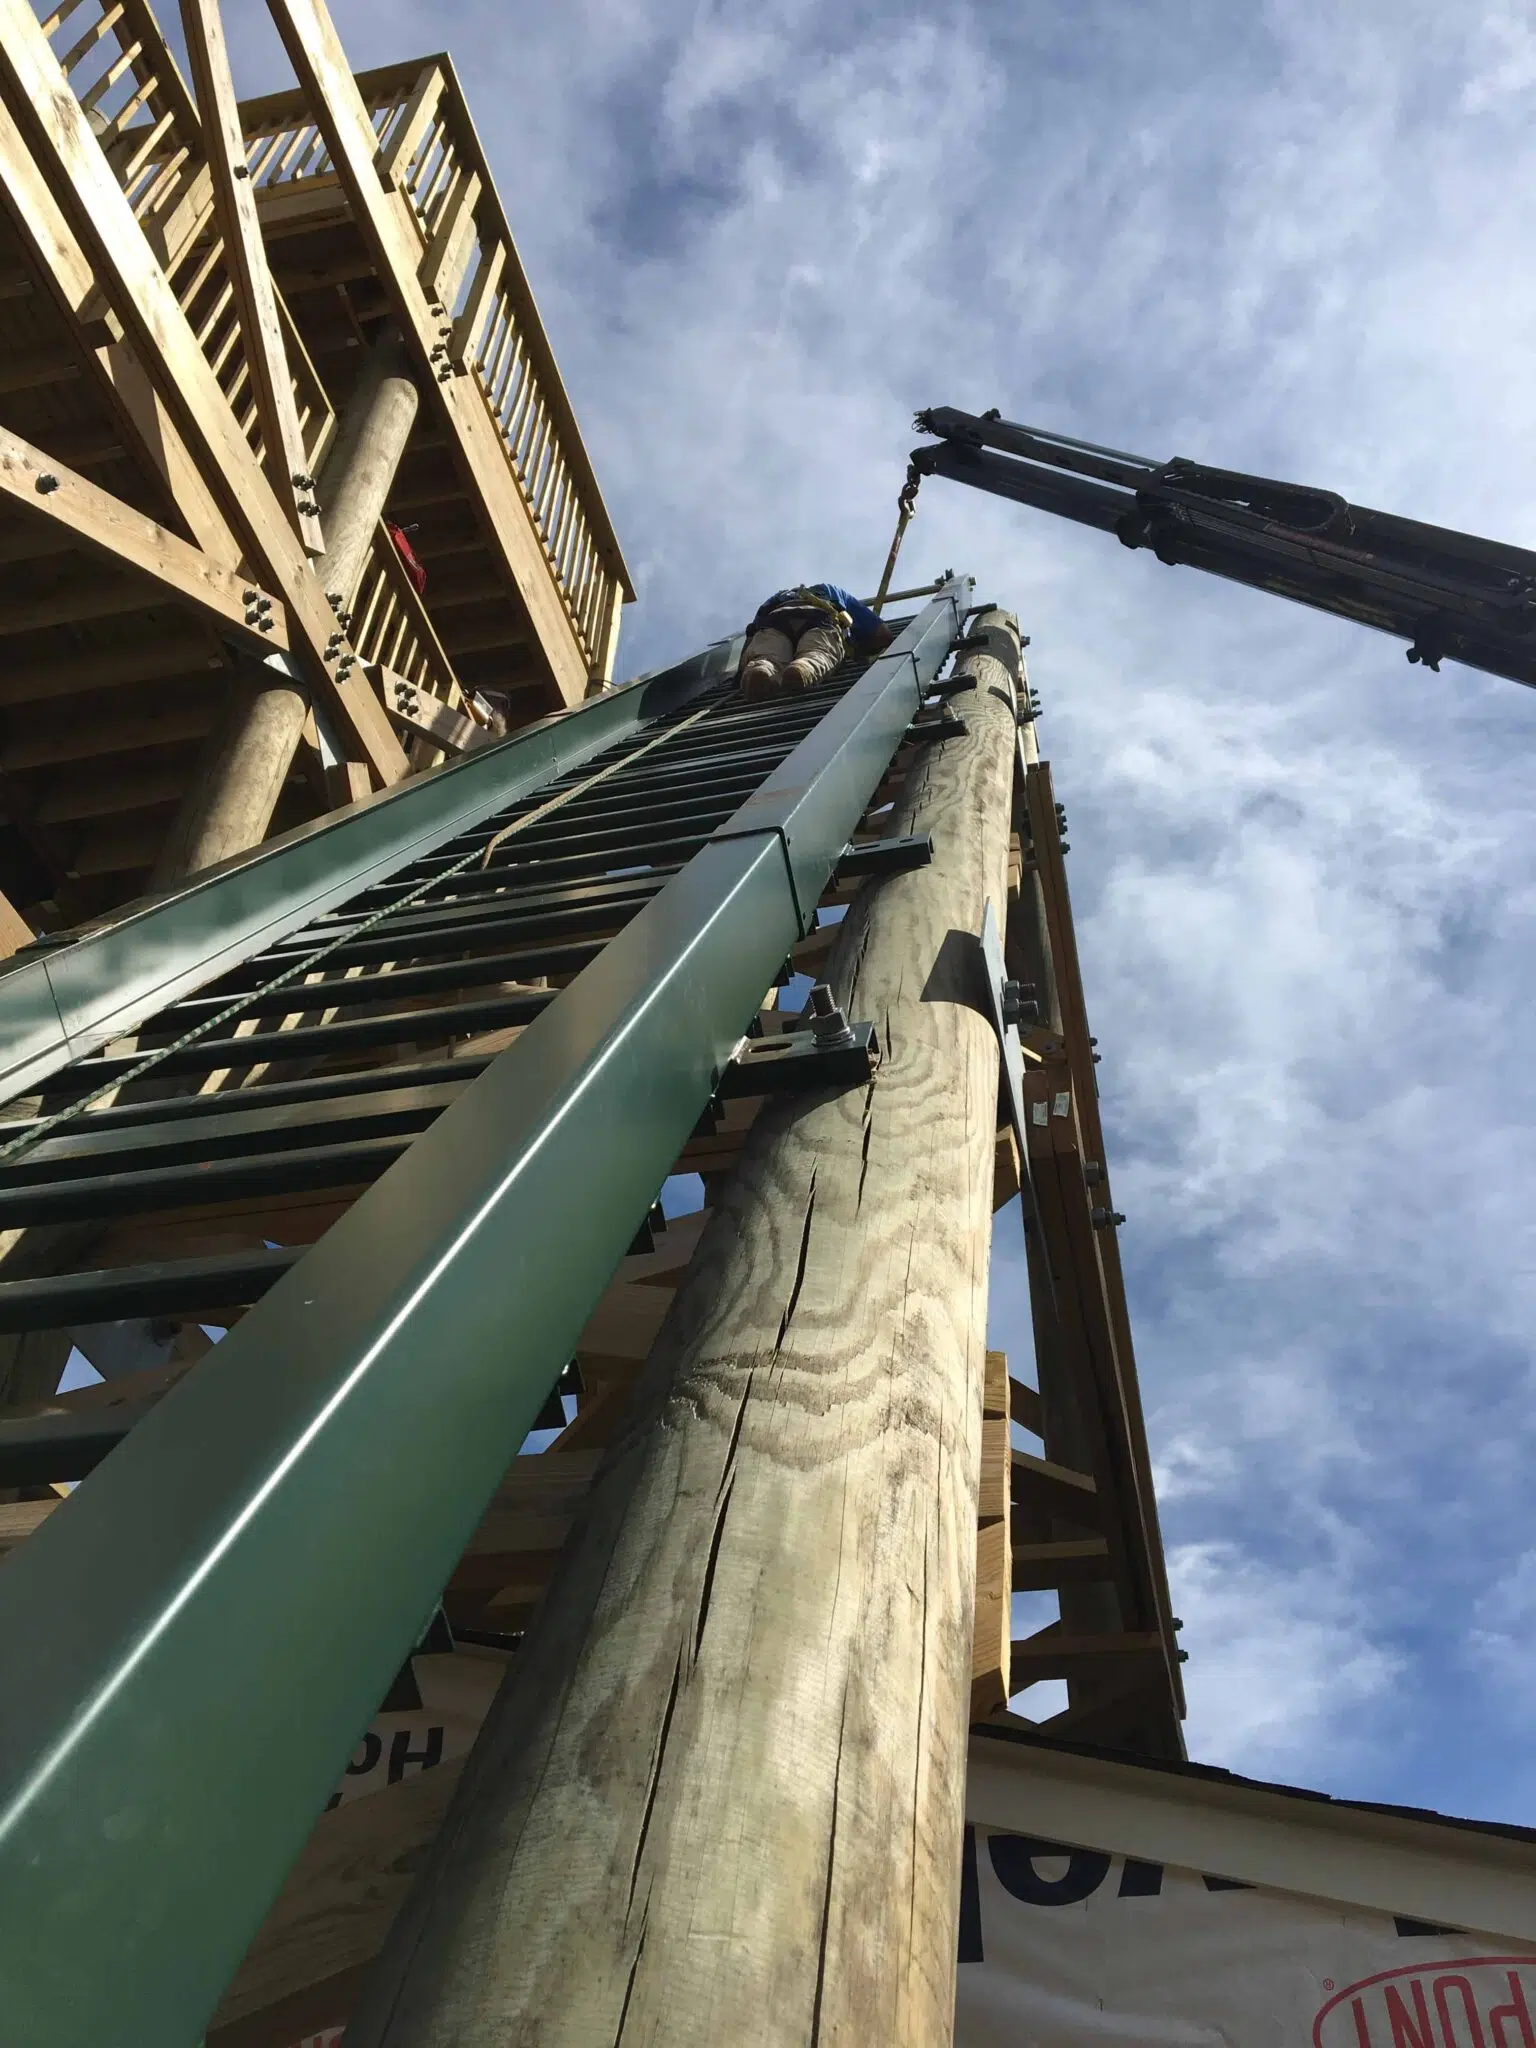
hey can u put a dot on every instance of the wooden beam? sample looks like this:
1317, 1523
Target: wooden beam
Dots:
1044, 1567
255, 297
15, 932
442, 268
112, 531
1041, 1486
147, 723
158, 444
164, 651
302, 1971
1024, 1407
141, 296
387, 223
469, 325
1051, 1654
411, 129
109, 791
991, 1682
27, 369
139, 418
420, 712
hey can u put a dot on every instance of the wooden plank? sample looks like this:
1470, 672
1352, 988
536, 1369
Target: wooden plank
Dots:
674, 1248
991, 1648
623, 1326
1044, 1567
520, 299
1007, 1170
993, 1627
20, 1519
446, 250
161, 446
112, 531
470, 325
415, 707
145, 426
1051, 1654
114, 245
150, 725
335, 1910
255, 295
394, 160
1024, 1407
995, 1497
15, 932
385, 219
1041, 1486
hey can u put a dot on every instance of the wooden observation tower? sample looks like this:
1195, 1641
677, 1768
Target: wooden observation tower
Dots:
372, 963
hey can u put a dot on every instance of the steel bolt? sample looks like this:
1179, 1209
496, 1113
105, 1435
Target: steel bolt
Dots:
1105, 1219
242, 170
46, 483
1093, 1172
829, 1027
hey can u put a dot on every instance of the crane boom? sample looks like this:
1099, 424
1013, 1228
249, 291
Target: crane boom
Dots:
1450, 595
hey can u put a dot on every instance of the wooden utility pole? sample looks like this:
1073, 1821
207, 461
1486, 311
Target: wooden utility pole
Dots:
721, 1794
229, 805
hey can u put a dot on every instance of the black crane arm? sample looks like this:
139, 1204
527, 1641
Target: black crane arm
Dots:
1450, 595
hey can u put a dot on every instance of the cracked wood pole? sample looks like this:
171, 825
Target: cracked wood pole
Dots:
720, 1795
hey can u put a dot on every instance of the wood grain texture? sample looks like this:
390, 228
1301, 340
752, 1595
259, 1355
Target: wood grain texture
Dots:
721, 1795
384, 218
112, 243
261, 328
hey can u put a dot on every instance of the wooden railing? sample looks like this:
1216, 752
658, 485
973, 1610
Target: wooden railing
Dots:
138, 104
390, 626
430, 153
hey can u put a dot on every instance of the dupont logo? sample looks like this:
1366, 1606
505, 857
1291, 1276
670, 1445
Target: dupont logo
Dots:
1478, 2002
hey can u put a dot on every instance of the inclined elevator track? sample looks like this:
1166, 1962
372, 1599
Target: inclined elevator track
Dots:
320, 1084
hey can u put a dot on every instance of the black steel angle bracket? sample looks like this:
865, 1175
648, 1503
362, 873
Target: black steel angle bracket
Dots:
1005, 1022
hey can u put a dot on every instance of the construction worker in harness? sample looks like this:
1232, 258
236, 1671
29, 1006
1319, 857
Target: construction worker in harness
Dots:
800, 635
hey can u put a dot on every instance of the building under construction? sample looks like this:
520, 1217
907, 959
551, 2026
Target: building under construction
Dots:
472, 1602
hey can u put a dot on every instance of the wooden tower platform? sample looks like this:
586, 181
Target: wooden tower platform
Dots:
189, 291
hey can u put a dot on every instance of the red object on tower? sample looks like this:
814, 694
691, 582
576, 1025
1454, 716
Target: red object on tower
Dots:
407, 554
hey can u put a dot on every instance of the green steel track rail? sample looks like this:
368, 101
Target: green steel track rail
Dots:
58, 1005
193, 1641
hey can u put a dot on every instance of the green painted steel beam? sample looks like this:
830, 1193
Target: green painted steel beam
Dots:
193, 1642
58, 1004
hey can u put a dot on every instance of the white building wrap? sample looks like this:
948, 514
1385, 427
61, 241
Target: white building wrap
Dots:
1072, 1948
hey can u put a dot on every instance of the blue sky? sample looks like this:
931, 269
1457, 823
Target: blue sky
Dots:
1283, 237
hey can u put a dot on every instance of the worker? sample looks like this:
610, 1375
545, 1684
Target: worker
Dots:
800, 635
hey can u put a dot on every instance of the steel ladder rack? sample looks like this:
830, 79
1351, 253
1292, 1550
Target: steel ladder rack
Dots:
194, 1640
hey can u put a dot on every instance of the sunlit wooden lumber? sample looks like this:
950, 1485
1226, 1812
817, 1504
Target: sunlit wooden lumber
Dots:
122, 262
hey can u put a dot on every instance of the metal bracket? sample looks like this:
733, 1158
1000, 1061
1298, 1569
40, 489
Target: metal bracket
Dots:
952, 686
943, 728
885, 856
795, 1062
1003, 1002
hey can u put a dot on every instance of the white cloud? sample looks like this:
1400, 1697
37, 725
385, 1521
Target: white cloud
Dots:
1282, 1670
1501, 1639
